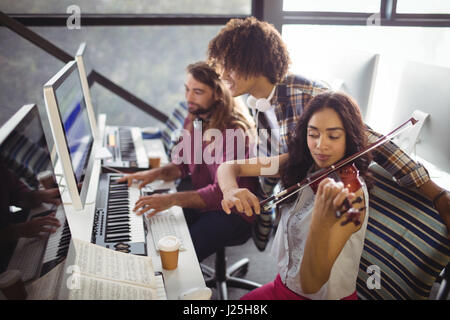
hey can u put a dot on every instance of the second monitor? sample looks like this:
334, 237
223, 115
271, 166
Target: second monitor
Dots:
123, 142
72, 131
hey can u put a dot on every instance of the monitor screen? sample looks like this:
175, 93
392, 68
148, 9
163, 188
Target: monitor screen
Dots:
425, 88
29, 191
79, 58
71, 131
78, 134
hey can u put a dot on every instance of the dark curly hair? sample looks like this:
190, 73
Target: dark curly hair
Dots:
251, 48
300, 160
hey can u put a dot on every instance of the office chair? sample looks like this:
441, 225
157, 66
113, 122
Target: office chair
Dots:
222, 277
173, 125
406, 247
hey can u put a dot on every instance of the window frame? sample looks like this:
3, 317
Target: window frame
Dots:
273, 13
269, 10
89, 19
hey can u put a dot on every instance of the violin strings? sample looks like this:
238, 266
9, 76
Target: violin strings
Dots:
268, 206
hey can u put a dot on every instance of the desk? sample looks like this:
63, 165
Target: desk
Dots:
188, 274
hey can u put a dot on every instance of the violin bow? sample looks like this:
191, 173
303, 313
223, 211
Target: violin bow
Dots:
283, 195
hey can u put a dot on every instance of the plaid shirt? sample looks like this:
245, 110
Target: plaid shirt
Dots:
291, 96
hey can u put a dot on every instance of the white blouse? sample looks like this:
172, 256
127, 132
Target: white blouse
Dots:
289, 245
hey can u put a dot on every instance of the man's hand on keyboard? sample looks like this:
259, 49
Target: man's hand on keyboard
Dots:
48, 196
38, 227
145, 177
151, 205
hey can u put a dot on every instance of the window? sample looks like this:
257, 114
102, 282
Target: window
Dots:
231, 7
322, 51
423, 7
149, 62
332, 5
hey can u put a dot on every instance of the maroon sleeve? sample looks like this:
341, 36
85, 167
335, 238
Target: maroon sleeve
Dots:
232, 150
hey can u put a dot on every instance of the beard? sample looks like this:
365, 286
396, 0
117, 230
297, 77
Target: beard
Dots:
199, 111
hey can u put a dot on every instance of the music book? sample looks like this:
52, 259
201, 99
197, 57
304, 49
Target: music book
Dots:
92, 272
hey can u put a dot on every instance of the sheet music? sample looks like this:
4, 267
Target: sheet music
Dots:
95, 272
96, 289
45, 287
97, 261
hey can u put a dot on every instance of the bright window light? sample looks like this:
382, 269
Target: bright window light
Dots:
424, 7
311, 45
332, 5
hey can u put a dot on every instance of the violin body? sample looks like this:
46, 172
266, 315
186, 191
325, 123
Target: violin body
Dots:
349, 176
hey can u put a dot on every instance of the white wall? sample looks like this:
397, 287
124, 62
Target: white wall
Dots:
396, 45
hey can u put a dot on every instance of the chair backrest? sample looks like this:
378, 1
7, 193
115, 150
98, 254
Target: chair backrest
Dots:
405, 241
262, 228
174, 124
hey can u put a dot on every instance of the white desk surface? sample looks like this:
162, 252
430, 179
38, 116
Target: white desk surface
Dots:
188, 275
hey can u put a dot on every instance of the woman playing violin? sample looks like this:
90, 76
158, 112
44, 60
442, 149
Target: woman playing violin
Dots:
318, 256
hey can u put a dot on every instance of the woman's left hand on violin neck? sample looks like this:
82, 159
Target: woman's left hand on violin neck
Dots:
330, 196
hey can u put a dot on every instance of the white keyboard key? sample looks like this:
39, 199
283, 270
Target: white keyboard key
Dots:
136, 222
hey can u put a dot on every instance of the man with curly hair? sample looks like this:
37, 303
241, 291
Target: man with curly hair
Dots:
252, 59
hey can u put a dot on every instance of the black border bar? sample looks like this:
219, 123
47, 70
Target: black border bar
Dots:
34, 38
86, 19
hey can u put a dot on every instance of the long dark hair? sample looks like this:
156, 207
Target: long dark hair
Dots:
228, 113
300, 159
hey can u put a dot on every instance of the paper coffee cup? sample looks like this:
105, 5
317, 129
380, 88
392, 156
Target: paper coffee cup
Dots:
12, 286
154, 161
169, 247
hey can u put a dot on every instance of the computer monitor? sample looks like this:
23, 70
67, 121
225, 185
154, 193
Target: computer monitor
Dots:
426, 88
85, 85
71, 130
27, 178
350, 71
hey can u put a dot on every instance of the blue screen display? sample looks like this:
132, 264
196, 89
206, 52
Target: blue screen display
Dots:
77, 129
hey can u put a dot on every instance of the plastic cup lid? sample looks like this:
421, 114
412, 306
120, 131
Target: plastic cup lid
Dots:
169, 243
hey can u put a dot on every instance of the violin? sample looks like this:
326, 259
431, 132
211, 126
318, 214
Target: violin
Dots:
349, 176
345, 171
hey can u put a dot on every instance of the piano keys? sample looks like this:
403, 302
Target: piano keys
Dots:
35, 257
57, 245
116, 226
126, 145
